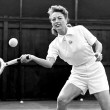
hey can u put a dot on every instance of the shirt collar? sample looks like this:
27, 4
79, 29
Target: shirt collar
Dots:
61, 37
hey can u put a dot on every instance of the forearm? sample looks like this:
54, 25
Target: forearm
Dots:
42, 62
98, 47
98, 51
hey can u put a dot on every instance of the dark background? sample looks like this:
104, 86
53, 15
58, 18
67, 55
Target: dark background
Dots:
27, 20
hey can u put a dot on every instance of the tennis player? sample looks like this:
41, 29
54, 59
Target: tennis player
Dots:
75, 46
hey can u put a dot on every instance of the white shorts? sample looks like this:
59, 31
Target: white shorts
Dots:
90, 76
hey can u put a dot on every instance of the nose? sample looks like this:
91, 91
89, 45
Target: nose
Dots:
57, 20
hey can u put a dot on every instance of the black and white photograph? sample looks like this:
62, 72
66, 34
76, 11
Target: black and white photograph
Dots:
54, 54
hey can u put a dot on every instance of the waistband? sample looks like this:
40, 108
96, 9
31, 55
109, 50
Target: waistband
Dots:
92, 60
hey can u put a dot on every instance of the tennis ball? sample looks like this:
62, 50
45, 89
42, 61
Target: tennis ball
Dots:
13, 42
21, 102
81, 99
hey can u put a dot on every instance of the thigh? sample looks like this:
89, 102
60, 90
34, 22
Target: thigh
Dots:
103, 99
69, 91
97, 78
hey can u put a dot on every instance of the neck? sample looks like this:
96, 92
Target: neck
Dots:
62, 31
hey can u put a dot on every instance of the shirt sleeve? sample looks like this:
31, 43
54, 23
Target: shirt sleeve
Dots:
91, 39
52, 51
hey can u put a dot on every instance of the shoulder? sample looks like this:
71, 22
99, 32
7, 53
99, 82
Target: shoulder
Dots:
78, 27
81, 29
53, 43
75, 29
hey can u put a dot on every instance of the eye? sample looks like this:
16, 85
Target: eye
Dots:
59, 18
53, 19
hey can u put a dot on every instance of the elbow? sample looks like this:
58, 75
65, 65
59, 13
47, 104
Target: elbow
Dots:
100, 44
50, 62
50, 66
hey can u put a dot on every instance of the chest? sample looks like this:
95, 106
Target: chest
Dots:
72, 44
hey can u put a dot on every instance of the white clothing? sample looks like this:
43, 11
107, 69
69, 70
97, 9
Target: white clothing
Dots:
74, 47
90, 76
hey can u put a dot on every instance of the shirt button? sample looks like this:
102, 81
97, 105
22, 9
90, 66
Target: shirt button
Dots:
70, 42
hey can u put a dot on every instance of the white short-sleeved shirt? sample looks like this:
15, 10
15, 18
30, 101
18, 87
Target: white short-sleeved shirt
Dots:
75, 47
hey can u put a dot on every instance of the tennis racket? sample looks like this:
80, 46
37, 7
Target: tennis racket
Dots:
11, 62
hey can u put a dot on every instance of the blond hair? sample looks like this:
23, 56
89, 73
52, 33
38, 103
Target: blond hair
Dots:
57, 8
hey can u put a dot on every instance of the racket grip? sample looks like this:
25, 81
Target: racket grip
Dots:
19, 59
27, 57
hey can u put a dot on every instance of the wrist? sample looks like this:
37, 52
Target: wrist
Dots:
31, 57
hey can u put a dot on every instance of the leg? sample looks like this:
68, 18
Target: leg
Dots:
103, 99
68, 92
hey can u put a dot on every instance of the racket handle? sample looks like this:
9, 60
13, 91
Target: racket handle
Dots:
18, 60
27, 57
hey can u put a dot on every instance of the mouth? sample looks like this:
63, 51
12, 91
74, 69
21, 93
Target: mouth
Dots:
57, 25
